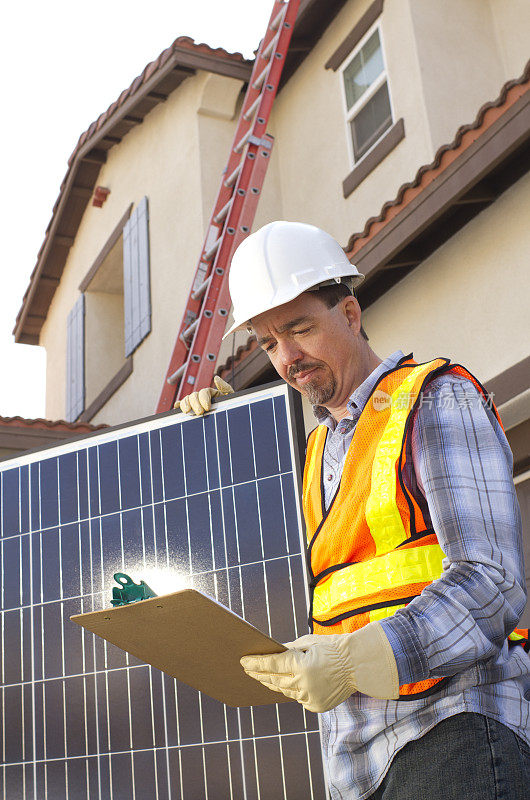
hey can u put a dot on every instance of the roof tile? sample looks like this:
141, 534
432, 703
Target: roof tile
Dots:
59, 424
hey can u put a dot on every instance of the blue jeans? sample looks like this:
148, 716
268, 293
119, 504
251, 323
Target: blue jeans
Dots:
465, 757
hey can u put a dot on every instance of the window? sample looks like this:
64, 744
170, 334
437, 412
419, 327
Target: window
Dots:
366, 95
111, 317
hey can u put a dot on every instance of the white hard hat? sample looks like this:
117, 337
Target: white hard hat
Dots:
280, 261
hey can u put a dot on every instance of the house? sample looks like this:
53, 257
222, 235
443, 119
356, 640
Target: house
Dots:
401, 127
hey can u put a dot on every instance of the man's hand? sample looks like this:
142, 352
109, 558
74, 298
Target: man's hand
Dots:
322, 671
197, 403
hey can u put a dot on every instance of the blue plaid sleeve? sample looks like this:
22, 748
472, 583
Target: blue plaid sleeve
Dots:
463, 466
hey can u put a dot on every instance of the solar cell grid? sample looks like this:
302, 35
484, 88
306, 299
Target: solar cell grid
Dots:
210, 501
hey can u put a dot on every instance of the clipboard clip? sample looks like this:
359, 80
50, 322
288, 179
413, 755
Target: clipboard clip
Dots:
129, 591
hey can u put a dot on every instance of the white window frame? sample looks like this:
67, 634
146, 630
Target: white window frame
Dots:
349, 114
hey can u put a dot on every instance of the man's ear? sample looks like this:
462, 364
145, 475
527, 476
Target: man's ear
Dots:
352, 312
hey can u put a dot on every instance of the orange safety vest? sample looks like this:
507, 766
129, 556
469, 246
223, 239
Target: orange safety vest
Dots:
372, 551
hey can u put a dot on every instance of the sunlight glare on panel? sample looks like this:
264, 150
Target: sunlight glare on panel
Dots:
162, 580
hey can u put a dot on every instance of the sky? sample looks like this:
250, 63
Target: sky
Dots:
62, 63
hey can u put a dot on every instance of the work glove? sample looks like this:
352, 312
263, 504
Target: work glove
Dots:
197, 403
322, 671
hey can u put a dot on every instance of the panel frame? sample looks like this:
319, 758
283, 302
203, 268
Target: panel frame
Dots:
130, 427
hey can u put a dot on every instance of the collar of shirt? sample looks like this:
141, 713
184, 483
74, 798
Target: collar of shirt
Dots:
358, 398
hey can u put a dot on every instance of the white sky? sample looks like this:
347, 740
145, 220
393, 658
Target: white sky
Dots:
63, 62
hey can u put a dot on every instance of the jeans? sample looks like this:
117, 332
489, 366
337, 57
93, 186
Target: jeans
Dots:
465, 757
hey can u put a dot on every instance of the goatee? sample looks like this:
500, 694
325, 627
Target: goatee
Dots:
319, 394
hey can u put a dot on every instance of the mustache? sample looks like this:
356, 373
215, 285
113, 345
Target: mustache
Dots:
297, 368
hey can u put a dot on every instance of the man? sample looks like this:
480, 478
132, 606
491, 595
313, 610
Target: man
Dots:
414, 534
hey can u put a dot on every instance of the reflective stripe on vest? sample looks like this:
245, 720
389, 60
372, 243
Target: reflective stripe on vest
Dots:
372, 552
373, 579
382, 513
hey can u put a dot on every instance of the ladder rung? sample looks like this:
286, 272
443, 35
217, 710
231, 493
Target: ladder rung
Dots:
200, 275
260, 80
270, 47
242, 142
234, 176
201, 289
188, 333
223, 212
177, 375
212, 251
249, 113
275, 24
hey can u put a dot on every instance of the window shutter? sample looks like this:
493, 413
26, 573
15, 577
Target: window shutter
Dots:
136, 280
75, 361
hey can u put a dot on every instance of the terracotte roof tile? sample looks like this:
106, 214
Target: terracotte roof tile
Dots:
57, 425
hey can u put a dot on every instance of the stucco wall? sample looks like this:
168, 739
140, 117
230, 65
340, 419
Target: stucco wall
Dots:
469, 301
512, 30
444, 60
218, 102
460, 64
309, 121
161, 159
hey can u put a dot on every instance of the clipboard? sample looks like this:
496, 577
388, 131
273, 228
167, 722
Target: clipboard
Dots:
191, 637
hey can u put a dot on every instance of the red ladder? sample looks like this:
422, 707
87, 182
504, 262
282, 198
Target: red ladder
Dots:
196, 350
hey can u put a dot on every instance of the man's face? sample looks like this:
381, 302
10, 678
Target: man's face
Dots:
312, 347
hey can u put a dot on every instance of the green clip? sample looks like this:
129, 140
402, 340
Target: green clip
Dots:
129, 591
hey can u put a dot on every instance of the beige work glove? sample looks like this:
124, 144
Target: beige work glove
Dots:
197, 403
322, 671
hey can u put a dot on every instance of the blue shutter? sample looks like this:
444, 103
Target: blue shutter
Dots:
136, 279
75, 361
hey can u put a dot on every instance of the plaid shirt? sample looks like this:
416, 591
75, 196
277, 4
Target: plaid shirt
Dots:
460, 471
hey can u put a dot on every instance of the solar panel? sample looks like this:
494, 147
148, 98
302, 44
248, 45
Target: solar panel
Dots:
210, 503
